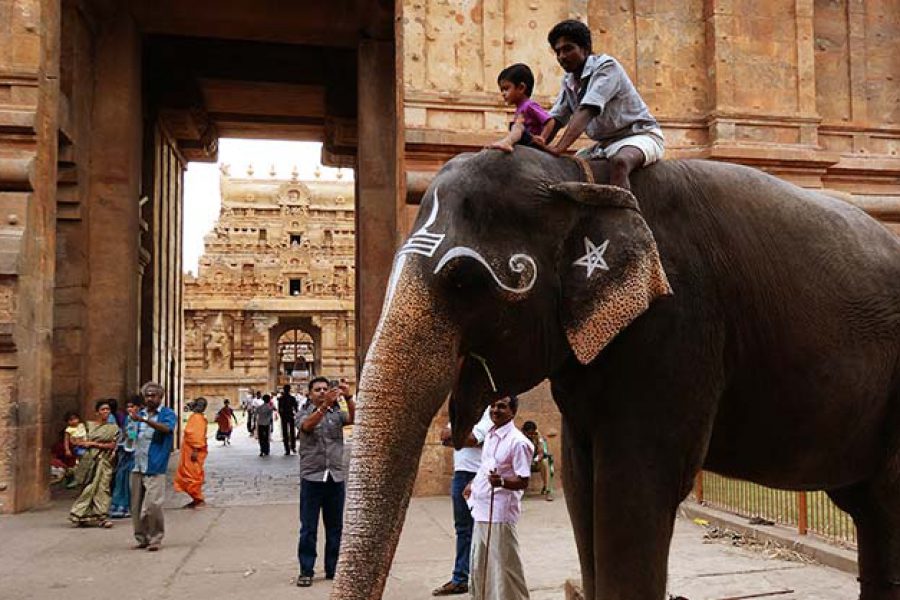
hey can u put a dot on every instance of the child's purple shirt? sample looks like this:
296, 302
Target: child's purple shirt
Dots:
534, 114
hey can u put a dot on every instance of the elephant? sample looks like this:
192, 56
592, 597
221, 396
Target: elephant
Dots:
715, 318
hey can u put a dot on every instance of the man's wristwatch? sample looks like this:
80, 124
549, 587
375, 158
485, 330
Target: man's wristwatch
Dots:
502, 482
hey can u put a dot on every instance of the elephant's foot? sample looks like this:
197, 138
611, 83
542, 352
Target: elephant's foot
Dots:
879, 590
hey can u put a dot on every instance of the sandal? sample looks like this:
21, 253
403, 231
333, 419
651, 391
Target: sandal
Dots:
304, 580
450, 588
105, 524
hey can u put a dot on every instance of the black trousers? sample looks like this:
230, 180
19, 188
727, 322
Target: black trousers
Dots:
262, 433
288, 433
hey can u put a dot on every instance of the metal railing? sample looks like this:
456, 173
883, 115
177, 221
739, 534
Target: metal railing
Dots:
807, 511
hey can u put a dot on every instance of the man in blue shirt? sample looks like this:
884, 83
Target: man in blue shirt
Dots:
155, 427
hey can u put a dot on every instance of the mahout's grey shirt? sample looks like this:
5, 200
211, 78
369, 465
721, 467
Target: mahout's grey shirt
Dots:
605, 85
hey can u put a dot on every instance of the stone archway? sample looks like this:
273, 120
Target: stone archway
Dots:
297, 358
286, 337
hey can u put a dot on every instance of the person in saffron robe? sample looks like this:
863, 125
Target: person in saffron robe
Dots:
190, 475
223, 420
95, 470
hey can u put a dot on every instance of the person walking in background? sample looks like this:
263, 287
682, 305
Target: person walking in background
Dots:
190, 476
120, 507
287, 409
465, 464
495, 496
223, 423
265, 415
153, 445
542, 462
95, 469
322, 474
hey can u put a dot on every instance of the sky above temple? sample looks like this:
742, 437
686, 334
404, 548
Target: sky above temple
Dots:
202, 197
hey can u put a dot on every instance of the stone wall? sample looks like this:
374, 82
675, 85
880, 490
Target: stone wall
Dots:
806, 90
29, 98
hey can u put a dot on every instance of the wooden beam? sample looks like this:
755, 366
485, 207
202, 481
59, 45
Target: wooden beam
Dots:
332, 23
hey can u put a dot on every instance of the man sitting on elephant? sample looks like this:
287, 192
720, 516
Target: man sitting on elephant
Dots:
495, 496
599, 99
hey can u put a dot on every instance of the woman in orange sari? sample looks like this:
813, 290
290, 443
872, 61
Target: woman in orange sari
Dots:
190, 474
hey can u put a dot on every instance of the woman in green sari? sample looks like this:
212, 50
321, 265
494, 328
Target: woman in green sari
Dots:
95, 471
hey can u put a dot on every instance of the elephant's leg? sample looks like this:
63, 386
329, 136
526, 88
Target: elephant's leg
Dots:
637, 495
875, 508
579, 492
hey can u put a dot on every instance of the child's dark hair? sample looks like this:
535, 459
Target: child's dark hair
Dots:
516, 74
529, 426
71, 414
574, 31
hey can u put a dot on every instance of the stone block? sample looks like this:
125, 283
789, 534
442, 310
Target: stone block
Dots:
26, 52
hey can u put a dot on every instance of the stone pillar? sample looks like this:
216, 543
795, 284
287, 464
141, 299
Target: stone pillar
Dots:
379, 194
29, 120
113, 213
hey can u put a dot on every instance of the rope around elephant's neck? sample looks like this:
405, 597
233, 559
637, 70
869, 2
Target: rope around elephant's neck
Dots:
585, 168
487, 369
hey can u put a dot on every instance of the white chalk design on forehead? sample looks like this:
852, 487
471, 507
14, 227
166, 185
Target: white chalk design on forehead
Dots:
517, 264
423, 241
593, 257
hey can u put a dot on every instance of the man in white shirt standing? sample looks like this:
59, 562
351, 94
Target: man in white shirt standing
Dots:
465, 464
495, 496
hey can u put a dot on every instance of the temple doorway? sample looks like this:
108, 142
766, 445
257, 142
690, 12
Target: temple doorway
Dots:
297, 362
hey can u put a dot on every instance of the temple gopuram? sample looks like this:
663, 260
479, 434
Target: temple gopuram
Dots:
272, 302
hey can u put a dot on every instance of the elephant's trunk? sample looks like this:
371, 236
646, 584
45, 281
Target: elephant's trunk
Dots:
407, 374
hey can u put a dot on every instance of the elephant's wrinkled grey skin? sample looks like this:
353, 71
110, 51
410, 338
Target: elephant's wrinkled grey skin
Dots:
775, 356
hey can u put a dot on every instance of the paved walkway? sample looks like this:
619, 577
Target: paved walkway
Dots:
244, 546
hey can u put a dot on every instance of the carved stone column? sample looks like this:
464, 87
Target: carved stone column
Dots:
29, 123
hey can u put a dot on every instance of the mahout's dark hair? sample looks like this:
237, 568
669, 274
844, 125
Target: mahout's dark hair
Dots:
516, 74
574, 31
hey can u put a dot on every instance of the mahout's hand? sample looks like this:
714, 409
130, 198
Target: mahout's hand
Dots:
501, 145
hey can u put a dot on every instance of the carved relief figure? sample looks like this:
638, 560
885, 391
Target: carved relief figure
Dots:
218, 345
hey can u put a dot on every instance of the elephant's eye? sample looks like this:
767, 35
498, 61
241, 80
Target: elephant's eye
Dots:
463, 276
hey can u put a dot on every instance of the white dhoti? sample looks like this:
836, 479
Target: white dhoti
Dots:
504, 573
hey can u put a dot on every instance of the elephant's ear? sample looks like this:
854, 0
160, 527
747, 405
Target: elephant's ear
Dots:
609, 266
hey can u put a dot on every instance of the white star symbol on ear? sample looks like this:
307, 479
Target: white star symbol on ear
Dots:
593, 258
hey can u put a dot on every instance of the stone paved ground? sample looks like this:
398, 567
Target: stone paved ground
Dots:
243, 546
